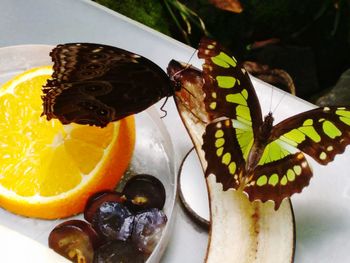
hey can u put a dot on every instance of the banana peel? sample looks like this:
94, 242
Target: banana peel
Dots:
240, 231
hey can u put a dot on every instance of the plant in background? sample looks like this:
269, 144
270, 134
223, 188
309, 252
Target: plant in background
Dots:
149, 13
176, 9
233, 6
184, 15
283, 34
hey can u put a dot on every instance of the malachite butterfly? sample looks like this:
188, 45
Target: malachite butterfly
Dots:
95, 84
245, 151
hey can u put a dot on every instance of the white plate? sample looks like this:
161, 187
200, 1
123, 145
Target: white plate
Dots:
194, 199
153, 154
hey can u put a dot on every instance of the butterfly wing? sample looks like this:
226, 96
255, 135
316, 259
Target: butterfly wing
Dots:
279, 179
223, 152
234, 111
235, 121
229, 91
321, 133
96, 84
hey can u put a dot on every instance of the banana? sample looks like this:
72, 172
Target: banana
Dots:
240, 231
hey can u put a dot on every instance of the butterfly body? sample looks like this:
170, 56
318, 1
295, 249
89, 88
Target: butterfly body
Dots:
96, 84
262, 139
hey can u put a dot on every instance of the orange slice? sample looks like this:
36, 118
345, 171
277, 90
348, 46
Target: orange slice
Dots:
48, 170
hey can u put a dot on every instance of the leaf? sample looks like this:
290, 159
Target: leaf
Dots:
233, 6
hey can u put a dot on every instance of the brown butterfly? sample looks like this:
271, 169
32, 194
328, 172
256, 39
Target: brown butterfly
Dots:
95, 84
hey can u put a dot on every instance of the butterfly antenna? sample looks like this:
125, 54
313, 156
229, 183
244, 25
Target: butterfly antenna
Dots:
187, 65
162, 108
188, 62
284, 94
271, 96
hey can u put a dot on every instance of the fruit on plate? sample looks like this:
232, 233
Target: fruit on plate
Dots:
113, 220
97, 199
240, 230
148, 227
75, 240
143, 192
118, 251
115, 233
48, 170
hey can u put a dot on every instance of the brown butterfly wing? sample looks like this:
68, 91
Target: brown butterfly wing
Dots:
96, 84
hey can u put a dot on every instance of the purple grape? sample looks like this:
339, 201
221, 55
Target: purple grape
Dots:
148, 227
95, 201
143, 192
75, 240
118, 252
113, 221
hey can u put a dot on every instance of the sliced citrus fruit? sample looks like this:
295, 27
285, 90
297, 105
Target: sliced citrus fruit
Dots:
48, 170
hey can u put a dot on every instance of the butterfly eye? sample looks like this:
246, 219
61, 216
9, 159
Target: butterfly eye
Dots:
177, 85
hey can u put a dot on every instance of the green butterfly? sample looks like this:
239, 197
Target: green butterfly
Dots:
245, 151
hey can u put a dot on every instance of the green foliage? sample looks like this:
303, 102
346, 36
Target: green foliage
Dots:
321, 26
185, 18
150, 13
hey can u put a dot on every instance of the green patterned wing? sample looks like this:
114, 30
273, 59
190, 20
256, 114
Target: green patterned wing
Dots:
279, 179
227, 86
283, 170
224, 154
234, 114
321, 133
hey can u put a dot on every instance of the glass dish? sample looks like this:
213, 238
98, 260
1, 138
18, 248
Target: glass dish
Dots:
153, 153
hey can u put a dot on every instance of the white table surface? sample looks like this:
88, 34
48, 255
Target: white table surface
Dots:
322, 211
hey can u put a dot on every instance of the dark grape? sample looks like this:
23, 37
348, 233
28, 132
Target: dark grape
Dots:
95, 201
113, 221
143, 192
75, 240
118, 252
127, 224
148, 227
